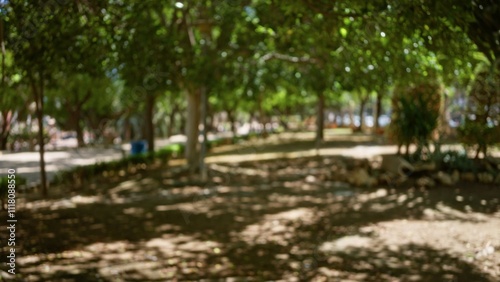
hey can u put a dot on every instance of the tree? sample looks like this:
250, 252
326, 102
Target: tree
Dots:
147, 72
415, 115
45, 37
482, 123
13, 99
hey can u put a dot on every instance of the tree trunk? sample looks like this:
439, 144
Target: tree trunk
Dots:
284, 123
211, 122
192, 130
3, 142
78, 128
378, 111
149, 123
171, 121
262, 118
232, 121
362, 106
204, 143
127, 133
251, 119
351, 115
76, 108
74, 116
38, 95
443, 128
4, 134
283, 119
41, 144
341, 114
320, 119
182, 124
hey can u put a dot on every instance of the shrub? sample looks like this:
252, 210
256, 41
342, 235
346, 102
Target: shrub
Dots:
4, 186
172, 149
4, 183
455, 160
482, 125
30, 138
415, 115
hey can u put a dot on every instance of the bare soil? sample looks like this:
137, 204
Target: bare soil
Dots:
270, 220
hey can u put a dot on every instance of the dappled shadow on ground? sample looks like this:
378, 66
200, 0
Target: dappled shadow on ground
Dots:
272, 220
290, 143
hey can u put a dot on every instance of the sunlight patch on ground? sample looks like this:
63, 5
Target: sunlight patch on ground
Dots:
346, 242
282, 200
133, 211
157, 258
276, 228
443, 212
480, 243
85, 199
124, 186
365, 197
238, 170
442, 234
67, 203
199, 206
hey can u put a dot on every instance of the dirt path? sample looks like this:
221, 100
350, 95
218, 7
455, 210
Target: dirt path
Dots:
277, 216
280, 220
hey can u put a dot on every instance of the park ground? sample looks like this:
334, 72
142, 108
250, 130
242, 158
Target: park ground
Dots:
270, 212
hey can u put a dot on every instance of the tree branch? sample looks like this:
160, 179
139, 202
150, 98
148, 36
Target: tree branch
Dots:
284, 57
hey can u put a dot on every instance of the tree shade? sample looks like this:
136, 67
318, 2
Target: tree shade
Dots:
260, 57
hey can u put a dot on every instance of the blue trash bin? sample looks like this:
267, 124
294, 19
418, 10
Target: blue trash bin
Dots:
138, 147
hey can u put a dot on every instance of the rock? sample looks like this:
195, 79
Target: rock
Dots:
385, 178
353, 164
495, 162
375, 162
426, 182
455, 176
392, 179
427, 166
360, 177
400, 180
468, 176
396, 165
310, 179
486, 251
444, 178
485, 177
489, 167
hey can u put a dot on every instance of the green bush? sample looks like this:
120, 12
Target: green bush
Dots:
455, 160
85, 172
478, 136
4, 184
482, 125
173, 149
89, 171
415, 115
31, 138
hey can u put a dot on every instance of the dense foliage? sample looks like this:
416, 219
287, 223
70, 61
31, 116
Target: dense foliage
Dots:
96, 65
415, 115
482, 122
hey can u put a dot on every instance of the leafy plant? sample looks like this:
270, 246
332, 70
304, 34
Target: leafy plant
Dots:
80, 173
4, 187
455, 160
415, 115
482, 125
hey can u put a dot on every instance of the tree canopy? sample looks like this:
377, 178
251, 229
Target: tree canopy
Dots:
252, 56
